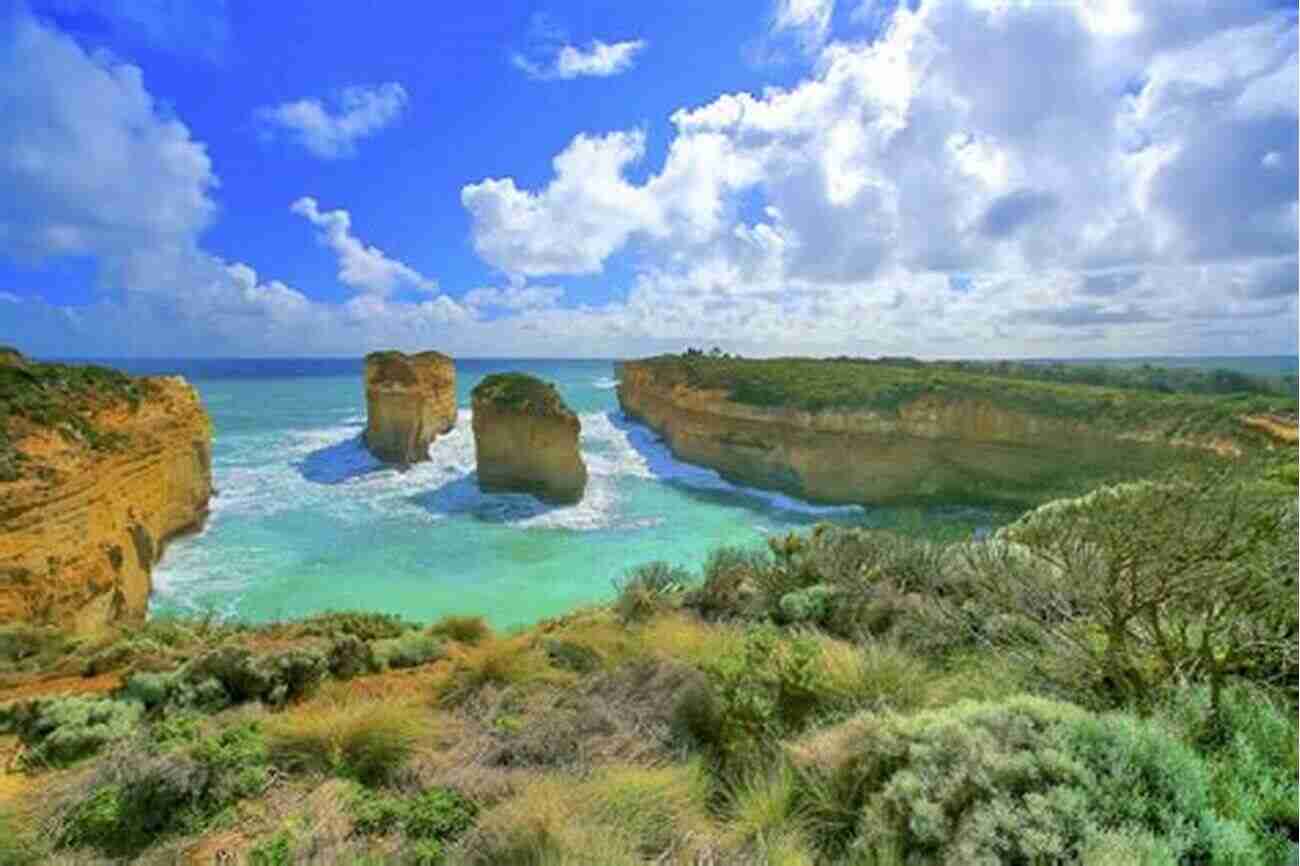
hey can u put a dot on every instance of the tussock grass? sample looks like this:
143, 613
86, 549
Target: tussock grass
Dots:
876, 674
463, 629
500, 662
622, 815
370, 742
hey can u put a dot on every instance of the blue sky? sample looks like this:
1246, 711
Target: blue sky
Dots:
949, 178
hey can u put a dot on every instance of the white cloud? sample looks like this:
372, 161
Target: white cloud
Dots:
997, 179
331, 131
927, 152
92, 165
809, 19
363, 267
518, 295
597, 60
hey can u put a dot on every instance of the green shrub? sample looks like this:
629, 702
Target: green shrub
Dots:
648, 589
462, 629
410, 650
1025, 781
1252, 753
229, 675
58, 731
350, 656
276, 851
812, 605
435, 814
571, 655
730, 582
363, 625
139, 796
21, 642
770, 687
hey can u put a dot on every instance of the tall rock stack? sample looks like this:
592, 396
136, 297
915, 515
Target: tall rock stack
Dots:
410, 401
526, 439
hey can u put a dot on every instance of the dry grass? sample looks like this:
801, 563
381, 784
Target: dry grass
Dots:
874, 675
684, 638
622, 815
500, 662
369, 741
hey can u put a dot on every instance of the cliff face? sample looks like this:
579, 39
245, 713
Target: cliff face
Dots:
932, 446
526, 440
410, 401
84, 521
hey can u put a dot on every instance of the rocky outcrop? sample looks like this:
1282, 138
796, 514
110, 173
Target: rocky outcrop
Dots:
936, 446
526, 439
95, 491
410, 401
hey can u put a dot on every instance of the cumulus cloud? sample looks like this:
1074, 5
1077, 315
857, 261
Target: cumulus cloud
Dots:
518, 295
330, 129
92, 164
361, 266
1043, 149
810, 20
977, 178
597, 59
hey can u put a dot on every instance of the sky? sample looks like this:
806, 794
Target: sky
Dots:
939, 178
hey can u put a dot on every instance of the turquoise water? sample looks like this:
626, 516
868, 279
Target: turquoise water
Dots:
305, 520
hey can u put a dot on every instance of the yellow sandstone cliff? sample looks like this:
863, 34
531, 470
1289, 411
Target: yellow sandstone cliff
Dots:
934, 446
526, 439
410, 401
87, 514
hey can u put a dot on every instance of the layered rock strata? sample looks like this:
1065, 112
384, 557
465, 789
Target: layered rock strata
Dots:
938, 446
91, 497
410, 401
526, 439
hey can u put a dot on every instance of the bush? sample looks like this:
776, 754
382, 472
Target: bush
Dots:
462, 629
1025, 781
812, 605
1131, 589
276, 851
139, 796
20, 642
369, 743
231, 675
410, 650
648, 589
770, 687
730, 582
571, 655
58, 731
1252, 753
350, 656
432, 819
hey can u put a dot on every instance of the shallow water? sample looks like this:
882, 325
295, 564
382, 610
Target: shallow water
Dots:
305, 520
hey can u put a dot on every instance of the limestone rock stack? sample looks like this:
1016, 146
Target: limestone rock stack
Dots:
410, 401
526, 439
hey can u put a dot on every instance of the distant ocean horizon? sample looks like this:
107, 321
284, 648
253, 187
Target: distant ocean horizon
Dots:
305, 520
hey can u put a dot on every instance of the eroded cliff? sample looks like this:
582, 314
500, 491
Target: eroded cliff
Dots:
410, 401
526, 439
900, 438
97, 472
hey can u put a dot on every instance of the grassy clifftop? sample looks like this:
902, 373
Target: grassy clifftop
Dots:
885, 385
841, 697
36, 397
520, 392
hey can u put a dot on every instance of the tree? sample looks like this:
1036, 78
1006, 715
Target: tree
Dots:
1139, 585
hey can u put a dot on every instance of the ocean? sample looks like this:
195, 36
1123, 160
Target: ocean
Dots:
305, 520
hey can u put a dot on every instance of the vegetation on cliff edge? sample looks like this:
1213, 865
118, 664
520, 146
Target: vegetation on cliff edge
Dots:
1107, 681
887, 384
61, 397
520, 392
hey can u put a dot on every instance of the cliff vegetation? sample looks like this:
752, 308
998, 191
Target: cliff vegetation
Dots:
520, 392
1180, 402
37, 397
1109, 680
